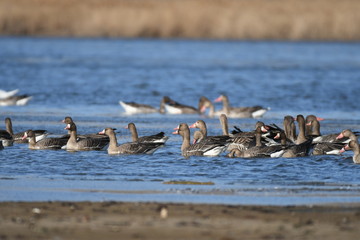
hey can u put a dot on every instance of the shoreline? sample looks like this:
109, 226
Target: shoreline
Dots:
312, 20
134, 220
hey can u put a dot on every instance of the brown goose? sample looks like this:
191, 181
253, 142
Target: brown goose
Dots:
201, 125
129, 148
311, 129
205, 103
157, 138
347, 134
17, 137
203, 148
170, 106
303, 145
240, 112
259, 150
137, 108
82, 144
6, 138
290, 128
46, 143
354, 146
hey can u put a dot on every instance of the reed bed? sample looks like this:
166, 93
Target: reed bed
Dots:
213, 19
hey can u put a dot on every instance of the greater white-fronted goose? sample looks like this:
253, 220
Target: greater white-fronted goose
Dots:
354, 146
327, 148
201, 125
18, 100
290, 128
170, 106
137, 108
347, 135
311, 129
7, 94
157, 138
18, 137
46, 143
203, 148
6, 138
240, 112
259, 150
205, 103
302, 144
128, 148
83, 144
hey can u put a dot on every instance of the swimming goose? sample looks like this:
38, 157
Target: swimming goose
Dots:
18, 100
82, 144
46, 143
203, 148
157, 138
302, 144
259, 150
313, 129
7, 94
128, 148
240, 112
6, 138
201, 125
354, 146
290, 128
137, 108
170, 106
18, 137
205, 103
347, 134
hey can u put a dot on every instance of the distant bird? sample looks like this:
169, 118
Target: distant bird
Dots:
137, 108
46, 143
17, 100
170, 106
157, 138
18, 137
7, 94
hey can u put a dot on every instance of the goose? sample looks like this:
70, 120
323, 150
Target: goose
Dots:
157, 138
199, 149
201, 125
7, 94
205, 103
82, 144
346, 135
46, 143
18, 100
105, 139
137, 108
240, 112
259, 150
6, 138
310, 129
290, 128
170, 106
18, 137
313, 129
302, 145
354, 146
128, 148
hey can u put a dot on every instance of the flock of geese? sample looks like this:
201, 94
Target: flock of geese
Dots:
264, 141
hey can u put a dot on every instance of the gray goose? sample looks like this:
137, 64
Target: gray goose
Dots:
18, 137
240, 112
6, 138
18, 100
203, 148
354, 146
290, 128
302, 144
205, 103
157, 138
170, 106
128, 148
82, 144
137, 108
46, 143
201, 125
259, 150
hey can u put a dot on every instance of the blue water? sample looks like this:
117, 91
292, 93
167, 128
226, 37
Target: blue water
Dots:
85, 78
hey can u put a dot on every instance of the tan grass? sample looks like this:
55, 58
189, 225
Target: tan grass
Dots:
217, 19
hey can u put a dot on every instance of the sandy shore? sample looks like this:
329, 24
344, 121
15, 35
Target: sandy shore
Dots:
118, 220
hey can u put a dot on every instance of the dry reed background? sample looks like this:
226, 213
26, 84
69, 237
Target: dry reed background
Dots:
217, 19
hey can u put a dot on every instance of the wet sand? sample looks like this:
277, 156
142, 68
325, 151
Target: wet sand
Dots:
125, 220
